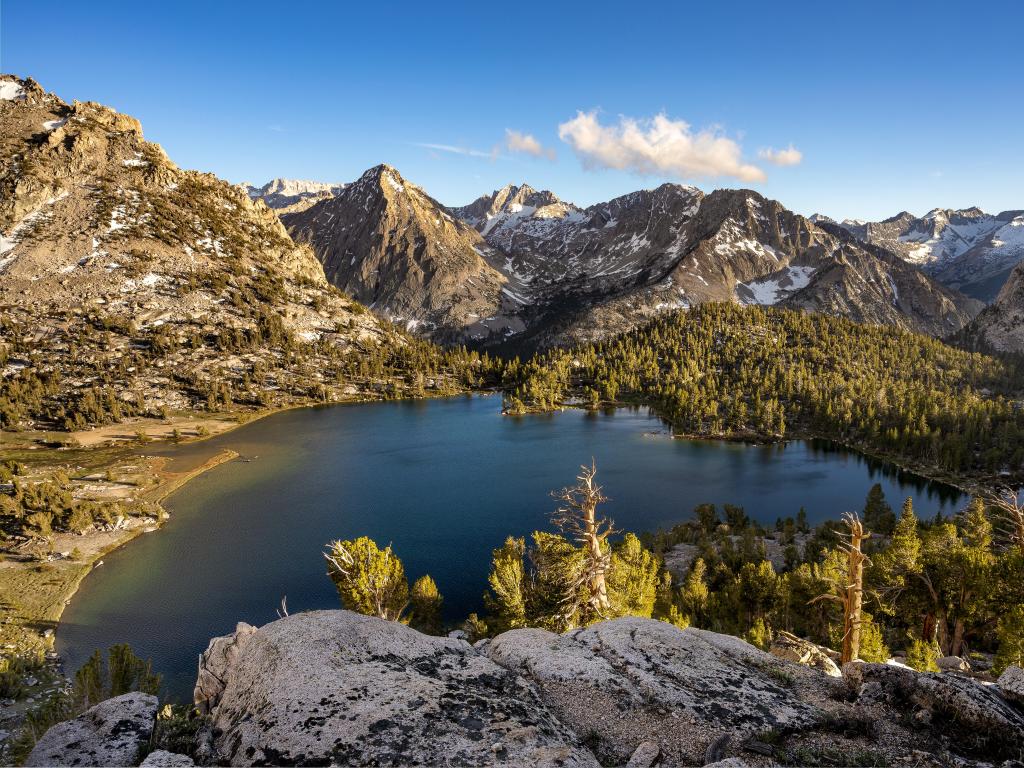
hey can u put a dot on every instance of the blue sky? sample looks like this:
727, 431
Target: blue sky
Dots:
891, 106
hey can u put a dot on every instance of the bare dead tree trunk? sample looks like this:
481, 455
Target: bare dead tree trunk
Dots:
578, 520
851, 591
1008, 516
855, 587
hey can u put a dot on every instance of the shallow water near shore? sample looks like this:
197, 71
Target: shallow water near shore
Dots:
444, 481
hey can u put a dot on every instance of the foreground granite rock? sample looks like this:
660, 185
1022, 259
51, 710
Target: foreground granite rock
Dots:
1011, 683
978, 717
114, 732
334, 687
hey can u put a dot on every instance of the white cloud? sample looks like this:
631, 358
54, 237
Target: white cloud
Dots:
655, 145
789, 156
455, 150
525, 142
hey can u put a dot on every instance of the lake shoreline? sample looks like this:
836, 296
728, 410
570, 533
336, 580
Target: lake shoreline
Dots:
969, 485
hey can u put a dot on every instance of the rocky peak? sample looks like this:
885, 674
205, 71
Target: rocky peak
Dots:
286, 194
98, 227
387, 242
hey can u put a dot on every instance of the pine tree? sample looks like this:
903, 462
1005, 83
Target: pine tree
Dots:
1010, 632
506, 598
693, 596
369, 580
425, 606
878, 515
632, 579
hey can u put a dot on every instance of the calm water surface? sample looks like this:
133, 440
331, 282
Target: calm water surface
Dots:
445, 481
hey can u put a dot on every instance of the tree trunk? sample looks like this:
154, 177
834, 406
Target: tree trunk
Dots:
598, 589
854, 598
956, 645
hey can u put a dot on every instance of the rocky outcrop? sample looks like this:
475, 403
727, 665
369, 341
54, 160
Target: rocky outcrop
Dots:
1001, 325
215, 663
977, 716
792, 648
113, 733
340, 688
1011, 683
638, 680
334, 686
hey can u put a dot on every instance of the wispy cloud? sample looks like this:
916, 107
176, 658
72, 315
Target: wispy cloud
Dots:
527, 144
782, 157
277, 128
469, 152
655, 145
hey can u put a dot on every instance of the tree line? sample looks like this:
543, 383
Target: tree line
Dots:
871, 582
723, 370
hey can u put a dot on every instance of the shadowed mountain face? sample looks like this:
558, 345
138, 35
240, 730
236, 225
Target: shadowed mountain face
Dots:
969, 250
520, 267
1000, 325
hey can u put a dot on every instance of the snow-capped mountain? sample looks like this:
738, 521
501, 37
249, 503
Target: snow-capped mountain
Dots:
521, 265
967, 249
292, 194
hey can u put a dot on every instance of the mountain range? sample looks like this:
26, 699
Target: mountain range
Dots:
966, 249
522, 267
103, 234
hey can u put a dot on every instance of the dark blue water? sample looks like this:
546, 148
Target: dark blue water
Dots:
444, 481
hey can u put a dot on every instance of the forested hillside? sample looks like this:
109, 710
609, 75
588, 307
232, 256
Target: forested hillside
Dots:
722, 370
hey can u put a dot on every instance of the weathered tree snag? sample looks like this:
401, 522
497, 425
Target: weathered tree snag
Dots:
577, 518
851, 592
855, 587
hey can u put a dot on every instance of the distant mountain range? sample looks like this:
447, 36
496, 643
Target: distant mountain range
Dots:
291, 194
968, 249
522, 267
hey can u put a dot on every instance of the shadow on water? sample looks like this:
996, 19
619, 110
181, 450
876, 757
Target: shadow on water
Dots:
444, 481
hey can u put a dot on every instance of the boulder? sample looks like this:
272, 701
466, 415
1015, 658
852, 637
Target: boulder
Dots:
953, 664
634, 680
114, 732
161, 758
1011, 683
792, 648
335, 687
961, 708
214, 664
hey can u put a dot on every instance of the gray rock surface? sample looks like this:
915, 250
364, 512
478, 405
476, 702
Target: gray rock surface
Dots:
161, 758
334, 687
953, 664
355, 690
960, 707
792, 648
214, 664
1011, 683
113, 733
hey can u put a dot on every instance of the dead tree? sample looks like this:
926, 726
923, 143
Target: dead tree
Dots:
577, 519
851, 590
1008, 517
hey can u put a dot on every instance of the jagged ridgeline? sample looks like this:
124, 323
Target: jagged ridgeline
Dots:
722, 370
521, 269
130, 286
